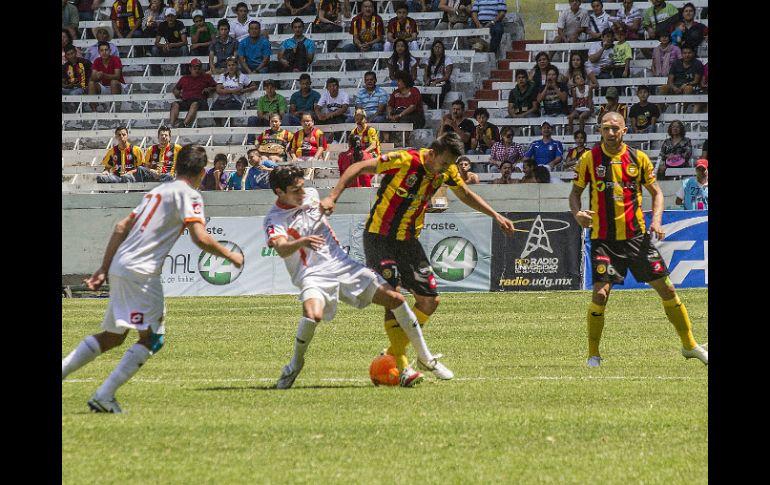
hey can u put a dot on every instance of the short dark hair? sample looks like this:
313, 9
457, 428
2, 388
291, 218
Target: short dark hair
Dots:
460, 102
191, 160
101, 43
530, 161
370, 73
255, 22
297, 20
579, 132
450, 143
305, 76
223, 23
121, 127
269, 82
282, 177
241, 4
220, 157
164, 128
542, 175
464, 159
681, 126
242, 161
399, 5
333, 80
405, 77
250, 151
687, 46
69, 47
508, 162
520, 72
480, 111
552, 68
643, 87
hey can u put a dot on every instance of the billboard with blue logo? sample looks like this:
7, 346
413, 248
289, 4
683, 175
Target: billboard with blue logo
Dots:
685, 250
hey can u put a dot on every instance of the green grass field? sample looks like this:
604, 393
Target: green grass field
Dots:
522, 409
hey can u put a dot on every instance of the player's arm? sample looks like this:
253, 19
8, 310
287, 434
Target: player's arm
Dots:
583, 217
367, 166
474, 201
286, 248
203, 240
657, 208
119, 235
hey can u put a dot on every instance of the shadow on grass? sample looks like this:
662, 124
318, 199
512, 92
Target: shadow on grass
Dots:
271, 387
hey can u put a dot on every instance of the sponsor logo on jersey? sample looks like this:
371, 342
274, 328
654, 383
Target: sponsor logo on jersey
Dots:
137, 318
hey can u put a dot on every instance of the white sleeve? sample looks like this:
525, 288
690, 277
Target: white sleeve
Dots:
344, 99
448, 61
324, 99
680, 192
189, 203
562, 20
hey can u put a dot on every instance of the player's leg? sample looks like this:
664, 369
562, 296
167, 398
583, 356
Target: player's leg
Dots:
595, 320
90, 348
677, 315
312, 313
608, 266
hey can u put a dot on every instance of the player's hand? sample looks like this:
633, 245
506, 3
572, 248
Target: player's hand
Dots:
96, 280
236, 259
327, 205
584, 218
657, 230
314, 242
505, 224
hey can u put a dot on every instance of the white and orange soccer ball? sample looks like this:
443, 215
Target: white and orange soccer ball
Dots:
383, 371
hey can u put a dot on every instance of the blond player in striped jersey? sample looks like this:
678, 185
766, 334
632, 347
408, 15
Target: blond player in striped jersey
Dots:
299, 231
134, 259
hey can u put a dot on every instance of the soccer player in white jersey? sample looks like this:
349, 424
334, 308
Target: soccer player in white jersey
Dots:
134, 259
300, 233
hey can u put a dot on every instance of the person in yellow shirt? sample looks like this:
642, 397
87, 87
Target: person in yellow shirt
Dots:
121, 160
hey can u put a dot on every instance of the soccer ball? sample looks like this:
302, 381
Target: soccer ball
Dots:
383, 371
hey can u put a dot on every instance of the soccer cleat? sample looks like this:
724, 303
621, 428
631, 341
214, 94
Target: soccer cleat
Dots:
287, 377
410, 378
439, 370
594, 361
698, 353
104, 406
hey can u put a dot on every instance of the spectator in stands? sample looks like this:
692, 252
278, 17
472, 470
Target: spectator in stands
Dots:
438, 72
677, 35
121, 160
490, 13
210, 8
621, 54
553, 96
416, 5
355, 153
292, 8
86, 9
333, 106
309, 142
704, 82
582, 104
231, 86
372, 99
368, 134
192, 90
153, 17
160, 159
685, 74
401, 27
254, 51
664, 55
75, 72
184, 8
694, 32
529, 167
102, 35
506, 150
302, 101
598, 20
630, 16
577, 64
405, 103
273, 143
612, 105
574, 153
676, 150
659, 19
546, 151
222, 48
484, 135
126, 16
456, 121
464, 166
296, 52
202, 34
70, 19
328, 20
522, 100
237, 180
216, 178
106, 74
67, 39
271, 102
239, 26
694, 192
174, 33
600, 56
506, 169
258, 175
572, 23
542, 175
457, 13
367, 29
538, 72
643, 115
401, 60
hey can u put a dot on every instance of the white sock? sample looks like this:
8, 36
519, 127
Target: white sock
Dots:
408, 322
86, 351
130, 363
305, 332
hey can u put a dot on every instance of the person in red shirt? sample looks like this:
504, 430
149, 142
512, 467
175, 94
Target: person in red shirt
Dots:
106, 74
192, 89
355, 154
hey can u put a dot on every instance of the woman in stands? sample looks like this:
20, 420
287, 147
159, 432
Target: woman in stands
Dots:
231, 85
676, 150
538, 72
694, 32
355, 153
438, 72
506, 150
577, 64
274, 142
368, 134
401, 60
405, 103
630, 16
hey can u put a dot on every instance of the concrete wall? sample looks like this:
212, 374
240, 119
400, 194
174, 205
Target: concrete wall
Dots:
88, 219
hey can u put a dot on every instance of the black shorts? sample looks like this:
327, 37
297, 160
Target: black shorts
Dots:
611, 260
184, 105
401, 263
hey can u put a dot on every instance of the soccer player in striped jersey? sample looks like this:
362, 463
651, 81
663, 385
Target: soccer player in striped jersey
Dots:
411, 177
299, 231
619, 241
134, 259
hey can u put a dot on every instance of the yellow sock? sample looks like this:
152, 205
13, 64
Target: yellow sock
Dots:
677, 315
595, 327
398, 342
422, 318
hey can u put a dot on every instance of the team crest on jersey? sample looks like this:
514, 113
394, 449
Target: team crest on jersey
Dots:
271, 230
632, 170
411, 180
600, 186
601, 269
137, 318
196, 208
387, 273
601, 171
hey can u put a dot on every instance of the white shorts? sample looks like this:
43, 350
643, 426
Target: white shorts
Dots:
351, 282
136, 302
107, 90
